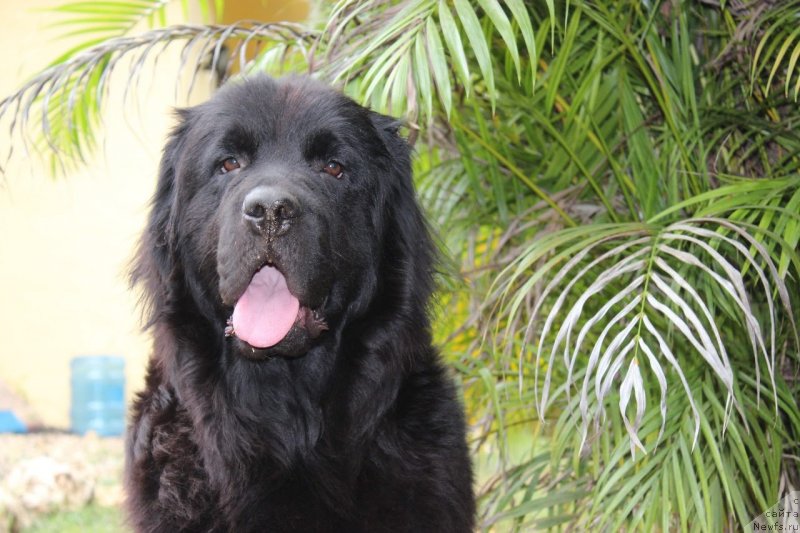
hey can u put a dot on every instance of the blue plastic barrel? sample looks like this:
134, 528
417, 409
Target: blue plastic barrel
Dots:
98, 395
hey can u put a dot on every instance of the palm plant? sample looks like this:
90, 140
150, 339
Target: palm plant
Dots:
617, 186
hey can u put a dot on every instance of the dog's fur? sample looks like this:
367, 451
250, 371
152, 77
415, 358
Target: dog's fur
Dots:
350, 423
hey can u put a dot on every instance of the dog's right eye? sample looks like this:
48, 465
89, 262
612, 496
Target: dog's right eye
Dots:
334, 168
229, 165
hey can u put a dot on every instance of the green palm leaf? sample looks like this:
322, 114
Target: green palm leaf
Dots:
69, 96
108, 19
653, 272
778, 49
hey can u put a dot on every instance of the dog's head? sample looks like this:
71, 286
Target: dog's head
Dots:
284, 209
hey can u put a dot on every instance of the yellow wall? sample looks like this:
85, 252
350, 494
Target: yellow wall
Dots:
65, 244
264, 10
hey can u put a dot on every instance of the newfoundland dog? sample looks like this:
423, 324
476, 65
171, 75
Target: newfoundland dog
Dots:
293, 386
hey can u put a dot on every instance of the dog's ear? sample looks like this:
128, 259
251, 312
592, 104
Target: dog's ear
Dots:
154, 266
409, 252
401, 327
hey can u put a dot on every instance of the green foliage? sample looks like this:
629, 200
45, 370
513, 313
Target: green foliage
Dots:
618, 186
778, 50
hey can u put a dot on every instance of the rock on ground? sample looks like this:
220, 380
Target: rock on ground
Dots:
42, 473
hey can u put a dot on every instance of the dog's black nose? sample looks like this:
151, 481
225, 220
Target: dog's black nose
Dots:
269, 209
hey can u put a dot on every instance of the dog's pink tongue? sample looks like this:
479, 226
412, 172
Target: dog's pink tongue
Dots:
266, 311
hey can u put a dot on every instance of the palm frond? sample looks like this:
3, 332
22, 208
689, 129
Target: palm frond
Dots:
98, 22
68, 97
775, 60
424, 45
651, 279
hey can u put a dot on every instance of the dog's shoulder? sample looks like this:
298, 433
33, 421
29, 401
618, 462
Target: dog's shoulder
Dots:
165, 476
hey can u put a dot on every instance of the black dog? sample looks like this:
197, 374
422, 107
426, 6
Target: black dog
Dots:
293, 386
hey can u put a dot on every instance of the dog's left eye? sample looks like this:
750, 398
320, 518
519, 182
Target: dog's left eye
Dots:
334, 168
229, 165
